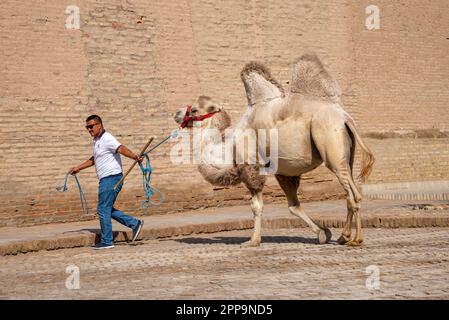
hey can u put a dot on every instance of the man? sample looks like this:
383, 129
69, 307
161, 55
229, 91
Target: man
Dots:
108, 165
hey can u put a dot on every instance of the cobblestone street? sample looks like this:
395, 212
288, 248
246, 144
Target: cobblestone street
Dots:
412, 263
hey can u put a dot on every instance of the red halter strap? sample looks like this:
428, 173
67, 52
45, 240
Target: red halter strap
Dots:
188, 117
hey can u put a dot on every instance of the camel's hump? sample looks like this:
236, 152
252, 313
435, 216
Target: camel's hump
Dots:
309, 77
264, 71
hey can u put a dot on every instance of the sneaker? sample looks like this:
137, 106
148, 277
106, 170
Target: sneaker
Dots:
100, 246
137, 230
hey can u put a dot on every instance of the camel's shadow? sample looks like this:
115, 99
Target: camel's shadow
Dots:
240, 240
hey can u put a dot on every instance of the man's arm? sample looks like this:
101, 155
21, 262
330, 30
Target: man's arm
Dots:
86, 164
128, 153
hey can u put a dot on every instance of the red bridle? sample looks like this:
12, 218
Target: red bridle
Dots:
188, 117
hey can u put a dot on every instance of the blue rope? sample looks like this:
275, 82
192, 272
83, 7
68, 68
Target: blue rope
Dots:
82, 197
148, 189
146, 175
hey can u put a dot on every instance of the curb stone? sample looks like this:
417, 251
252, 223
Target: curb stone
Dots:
85, 239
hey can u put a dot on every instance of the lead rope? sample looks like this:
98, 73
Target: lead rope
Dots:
147, 188
146, 177
64, 188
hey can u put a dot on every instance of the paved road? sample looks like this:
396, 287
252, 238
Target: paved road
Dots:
411, 263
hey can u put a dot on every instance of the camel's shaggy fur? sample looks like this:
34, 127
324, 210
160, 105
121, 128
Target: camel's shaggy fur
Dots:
220, 176
221, 121
309, 77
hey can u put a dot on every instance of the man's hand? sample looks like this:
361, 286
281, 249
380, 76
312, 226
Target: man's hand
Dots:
86, 164
128, 153
74, 170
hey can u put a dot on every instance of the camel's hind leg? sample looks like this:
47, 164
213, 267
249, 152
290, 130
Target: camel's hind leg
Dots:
290, 186
337, 149
353, 203
341, 162
346, 233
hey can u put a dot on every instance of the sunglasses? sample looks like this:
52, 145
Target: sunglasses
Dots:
91, 126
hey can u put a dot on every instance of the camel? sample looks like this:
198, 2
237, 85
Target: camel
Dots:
312, 128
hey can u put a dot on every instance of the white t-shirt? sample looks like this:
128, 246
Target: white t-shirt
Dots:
107, 159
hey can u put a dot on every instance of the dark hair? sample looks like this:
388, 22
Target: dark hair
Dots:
94, 117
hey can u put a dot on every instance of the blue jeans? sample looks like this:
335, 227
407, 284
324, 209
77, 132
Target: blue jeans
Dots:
106, 199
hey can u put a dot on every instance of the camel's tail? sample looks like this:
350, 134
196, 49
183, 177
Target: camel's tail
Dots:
310, 77
368, 158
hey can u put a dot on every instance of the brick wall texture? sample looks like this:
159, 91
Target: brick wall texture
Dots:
135, 62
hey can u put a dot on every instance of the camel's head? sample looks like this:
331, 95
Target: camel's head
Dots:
204, 107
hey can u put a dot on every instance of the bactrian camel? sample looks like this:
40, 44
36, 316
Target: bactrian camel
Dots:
312, 128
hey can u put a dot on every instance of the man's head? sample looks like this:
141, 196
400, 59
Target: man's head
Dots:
94, 125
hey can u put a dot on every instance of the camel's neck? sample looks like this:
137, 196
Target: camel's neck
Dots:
260, 90
213, 139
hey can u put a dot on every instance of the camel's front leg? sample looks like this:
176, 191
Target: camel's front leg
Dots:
257, 208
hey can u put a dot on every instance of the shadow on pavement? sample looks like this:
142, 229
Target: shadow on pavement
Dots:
97, 233
240, 240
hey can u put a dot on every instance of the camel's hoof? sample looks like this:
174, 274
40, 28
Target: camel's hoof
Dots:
324, 235
355, 243
250, 243
343, 239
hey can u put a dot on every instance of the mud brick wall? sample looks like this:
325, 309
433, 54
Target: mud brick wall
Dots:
425, 159
135, 62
